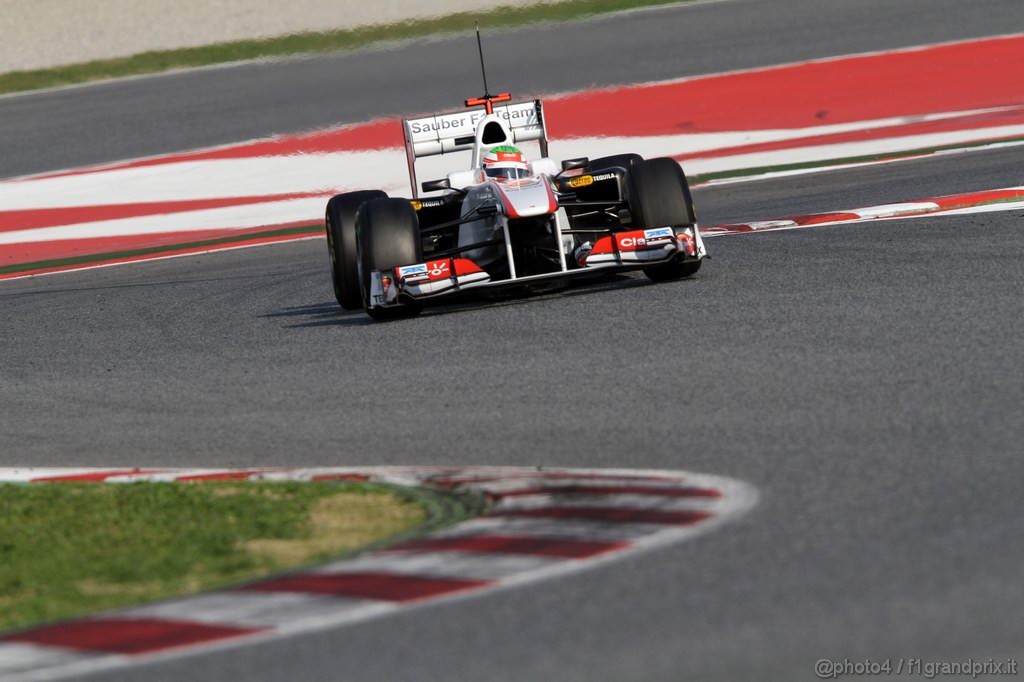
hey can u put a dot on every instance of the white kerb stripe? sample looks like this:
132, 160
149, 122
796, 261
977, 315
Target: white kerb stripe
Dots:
465, 565
257, 609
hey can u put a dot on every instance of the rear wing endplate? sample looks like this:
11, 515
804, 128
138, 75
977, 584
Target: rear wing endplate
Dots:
456, 132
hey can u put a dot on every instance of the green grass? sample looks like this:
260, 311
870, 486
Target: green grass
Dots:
69, 549
308, 43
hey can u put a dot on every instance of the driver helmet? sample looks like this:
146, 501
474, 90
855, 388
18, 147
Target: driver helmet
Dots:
506, 163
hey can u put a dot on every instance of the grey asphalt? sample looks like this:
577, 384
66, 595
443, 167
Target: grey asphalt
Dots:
866, 379
109, 122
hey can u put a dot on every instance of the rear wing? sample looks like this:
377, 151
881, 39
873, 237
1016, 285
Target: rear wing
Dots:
456, 132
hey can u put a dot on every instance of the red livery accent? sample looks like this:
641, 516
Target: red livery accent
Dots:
439, 269
687, 244
631, 241
488, 101
464, 266
602, 245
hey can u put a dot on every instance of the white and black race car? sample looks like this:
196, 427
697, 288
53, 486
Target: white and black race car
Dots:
506, 222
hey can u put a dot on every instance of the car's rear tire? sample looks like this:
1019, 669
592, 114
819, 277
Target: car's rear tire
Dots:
659, 196
387, 235
340, 224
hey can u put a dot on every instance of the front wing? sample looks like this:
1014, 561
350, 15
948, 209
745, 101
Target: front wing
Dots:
622, 251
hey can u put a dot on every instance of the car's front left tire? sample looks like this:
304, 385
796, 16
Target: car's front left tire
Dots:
387, 236
340, 224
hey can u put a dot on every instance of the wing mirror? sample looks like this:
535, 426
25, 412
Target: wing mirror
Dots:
573, 164
436, 185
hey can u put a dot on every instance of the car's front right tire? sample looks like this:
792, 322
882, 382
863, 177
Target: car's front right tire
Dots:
659, 196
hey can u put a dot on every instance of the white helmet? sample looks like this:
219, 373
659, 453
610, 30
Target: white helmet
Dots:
506, 163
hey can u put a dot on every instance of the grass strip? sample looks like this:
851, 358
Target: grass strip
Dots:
824, 164
309, 43
68, 549
93, 258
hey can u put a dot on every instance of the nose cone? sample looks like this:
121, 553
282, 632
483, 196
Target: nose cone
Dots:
527, 198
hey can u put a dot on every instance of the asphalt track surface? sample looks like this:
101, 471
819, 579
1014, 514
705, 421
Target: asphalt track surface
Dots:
130, 118
867, 379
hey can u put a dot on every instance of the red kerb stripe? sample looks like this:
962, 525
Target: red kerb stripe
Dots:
221, 476
610, 490
501, 544
92, 476
452, 481
614, 514
383, 586
961, 123
29, 219
971, 75
817, 218
360, 478
977, 198
106, 260
727, 229
128, 636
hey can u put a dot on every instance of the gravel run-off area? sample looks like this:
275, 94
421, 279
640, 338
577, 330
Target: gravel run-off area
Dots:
44, 33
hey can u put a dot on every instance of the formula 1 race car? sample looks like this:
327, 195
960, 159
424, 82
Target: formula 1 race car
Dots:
504, 221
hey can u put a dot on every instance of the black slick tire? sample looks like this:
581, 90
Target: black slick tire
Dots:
387, 235
626, 161
659, 195
340, 224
